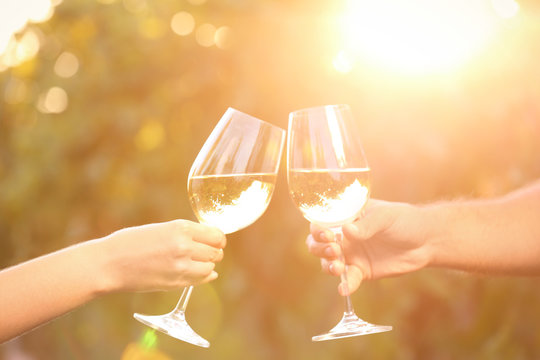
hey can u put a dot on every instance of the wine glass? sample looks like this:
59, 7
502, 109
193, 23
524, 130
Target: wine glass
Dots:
328, 179
230, 185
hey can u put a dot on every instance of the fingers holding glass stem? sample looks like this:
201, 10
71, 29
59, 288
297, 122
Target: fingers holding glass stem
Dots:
328, 243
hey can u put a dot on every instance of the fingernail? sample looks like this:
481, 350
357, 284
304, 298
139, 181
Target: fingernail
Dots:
214, 275
323, 236
331, 268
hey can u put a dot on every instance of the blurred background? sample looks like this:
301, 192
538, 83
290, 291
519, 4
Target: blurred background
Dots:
104, 105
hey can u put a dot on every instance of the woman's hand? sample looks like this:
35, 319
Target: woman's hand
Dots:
160, 256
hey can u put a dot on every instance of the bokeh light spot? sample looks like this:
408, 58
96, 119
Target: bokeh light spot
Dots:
39, 10
134, 351
152, 28
28, 46
182, 23
150, 136
205, 35
9, 57
223, 37
66, 65
13, 18
149, 339
54, 101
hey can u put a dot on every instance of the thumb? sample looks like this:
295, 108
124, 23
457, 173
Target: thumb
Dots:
360, 230
368, 225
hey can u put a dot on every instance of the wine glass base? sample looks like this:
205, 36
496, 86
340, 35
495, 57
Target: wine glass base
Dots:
175, 325
350, 325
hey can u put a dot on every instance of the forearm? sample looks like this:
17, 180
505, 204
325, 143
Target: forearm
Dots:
161, 256
496, 236
44, 288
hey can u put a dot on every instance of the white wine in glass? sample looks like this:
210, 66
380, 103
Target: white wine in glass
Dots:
230, 202
330, 197
328, 179
230, 185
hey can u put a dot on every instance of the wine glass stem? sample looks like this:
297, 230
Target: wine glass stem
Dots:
182, 303
349, 310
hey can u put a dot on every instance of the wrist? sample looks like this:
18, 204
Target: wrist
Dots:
102, 274
435, 218
415, 223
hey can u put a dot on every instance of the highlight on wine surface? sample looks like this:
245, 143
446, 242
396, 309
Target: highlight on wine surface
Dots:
230, 202
330, 197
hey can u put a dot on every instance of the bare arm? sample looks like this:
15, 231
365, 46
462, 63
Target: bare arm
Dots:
494, 236
150, 257
499, 236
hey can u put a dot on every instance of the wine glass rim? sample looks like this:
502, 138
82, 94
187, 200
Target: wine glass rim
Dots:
231, 109
320, 107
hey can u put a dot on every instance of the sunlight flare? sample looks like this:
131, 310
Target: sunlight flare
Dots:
417, 36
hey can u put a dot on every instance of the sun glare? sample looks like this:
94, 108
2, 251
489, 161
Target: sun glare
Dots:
342, 62
505, 8
420, 36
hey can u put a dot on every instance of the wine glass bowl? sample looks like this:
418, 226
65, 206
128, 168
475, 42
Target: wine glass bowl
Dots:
230, 185
328, 178
231, 181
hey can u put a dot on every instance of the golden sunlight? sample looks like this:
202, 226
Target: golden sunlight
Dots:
420, 36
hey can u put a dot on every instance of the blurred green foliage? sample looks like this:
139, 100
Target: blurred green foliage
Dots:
141, 105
